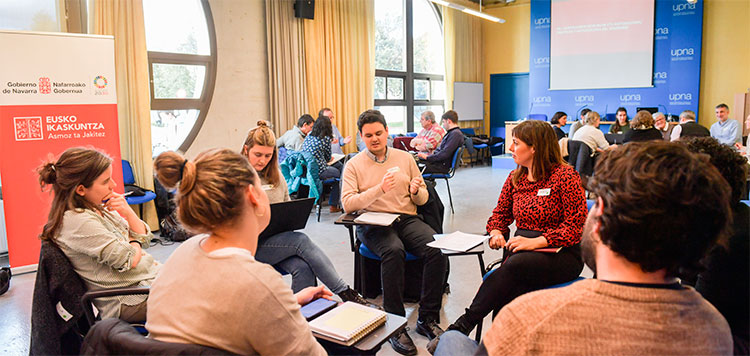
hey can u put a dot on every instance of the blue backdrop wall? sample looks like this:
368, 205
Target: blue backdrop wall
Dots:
678, 31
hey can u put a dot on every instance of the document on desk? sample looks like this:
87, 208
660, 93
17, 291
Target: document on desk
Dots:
382, 219
335, 157
347, 323
457, 241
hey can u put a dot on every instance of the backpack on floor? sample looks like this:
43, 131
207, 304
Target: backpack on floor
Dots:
5, 275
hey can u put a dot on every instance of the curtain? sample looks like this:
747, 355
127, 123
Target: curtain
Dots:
286, 65
123, 19
464, 59
340, 61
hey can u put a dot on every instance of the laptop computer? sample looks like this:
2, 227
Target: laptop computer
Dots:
288, 216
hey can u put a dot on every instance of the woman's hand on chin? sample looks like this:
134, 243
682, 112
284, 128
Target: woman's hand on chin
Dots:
520, 243
309, 294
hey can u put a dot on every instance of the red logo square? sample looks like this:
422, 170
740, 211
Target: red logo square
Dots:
28, 128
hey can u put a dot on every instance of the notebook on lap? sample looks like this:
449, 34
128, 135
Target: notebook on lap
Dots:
288, 216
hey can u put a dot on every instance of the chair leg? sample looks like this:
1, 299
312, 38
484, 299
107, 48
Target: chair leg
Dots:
450, 198
317, 207
478, 335
140, 208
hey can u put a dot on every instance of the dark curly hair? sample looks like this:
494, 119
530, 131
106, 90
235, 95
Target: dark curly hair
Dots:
322, 127
369, 117
731, 165
664, 206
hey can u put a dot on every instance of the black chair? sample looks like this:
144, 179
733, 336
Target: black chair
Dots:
117, 337
87, 300
579, 156
614, 139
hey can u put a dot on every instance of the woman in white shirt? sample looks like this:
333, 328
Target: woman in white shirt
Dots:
591, 135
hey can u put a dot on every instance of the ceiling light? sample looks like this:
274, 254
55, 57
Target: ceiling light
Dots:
469, 11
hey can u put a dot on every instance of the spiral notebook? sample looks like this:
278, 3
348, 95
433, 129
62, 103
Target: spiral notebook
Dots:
347, 323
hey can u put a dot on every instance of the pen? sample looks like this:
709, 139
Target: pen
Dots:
124, 195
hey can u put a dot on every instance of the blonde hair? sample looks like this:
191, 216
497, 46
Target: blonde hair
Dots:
263, 136
642, 120
591, 117
211, 189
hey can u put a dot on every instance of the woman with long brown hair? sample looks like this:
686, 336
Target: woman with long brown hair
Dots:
97, 230
291, 251
212, 291
545, 198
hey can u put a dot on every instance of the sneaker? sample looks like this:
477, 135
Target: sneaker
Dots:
429, 328
351, 295
402, 343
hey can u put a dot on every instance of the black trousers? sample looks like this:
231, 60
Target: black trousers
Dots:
409, 233
434, 167
521, 273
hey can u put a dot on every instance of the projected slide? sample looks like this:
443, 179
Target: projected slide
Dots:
601, 44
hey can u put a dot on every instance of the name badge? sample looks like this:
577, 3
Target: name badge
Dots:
543, 192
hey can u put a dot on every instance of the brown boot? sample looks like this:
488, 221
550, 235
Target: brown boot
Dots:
334, 209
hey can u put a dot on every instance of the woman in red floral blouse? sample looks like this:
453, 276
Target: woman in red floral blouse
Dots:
545, 198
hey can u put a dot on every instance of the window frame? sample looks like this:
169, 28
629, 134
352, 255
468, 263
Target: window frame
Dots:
409, 75
201, 104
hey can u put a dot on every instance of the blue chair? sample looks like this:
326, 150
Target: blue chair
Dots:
411, 134
481, 148
610, 117
540, 117
128, 178
497, 148
448, 175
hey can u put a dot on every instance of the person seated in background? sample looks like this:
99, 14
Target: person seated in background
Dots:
441, 160
545, 198
337, 141
590, 133
726, 280
636, 305
431, 135
292, 139
291, 251
661, 124
621, 124
578, 124
558, 120
642, 128
688, 127
212, 291
725, 129
318, 143
383, 179
97, 230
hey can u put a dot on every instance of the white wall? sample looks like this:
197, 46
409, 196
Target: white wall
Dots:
241, 94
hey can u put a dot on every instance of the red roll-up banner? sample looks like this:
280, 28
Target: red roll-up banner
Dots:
56, 91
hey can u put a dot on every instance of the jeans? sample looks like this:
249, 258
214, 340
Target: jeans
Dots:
333, 172
453, 342
295, 253
391, 243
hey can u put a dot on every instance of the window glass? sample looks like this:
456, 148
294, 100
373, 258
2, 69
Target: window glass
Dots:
176, 26
428, 39
390, 35
395, 88
170, 127
421, 89
379, 88
178, 81
36, 15
437, 90
395, 116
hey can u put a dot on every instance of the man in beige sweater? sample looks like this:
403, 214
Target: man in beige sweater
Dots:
637, 239
383, 179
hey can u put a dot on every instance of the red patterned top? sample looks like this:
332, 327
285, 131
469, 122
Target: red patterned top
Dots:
556, 206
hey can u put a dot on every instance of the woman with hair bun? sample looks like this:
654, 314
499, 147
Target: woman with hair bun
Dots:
96, 229
291, 251
212, 291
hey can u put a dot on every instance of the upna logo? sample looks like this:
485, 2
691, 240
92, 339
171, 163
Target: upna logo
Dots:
541, 60
584, 98
660, 75
683, 7
661, 31
541, 22
626, 98
680, 97
542, 99
682, 52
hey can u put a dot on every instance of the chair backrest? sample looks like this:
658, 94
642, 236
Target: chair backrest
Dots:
498, 132
127, 173
579, 156
282, 154
456, 157
540, 117
411, 134
117, 337
468, 131
610, 117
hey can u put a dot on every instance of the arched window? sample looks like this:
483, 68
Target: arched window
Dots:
181, 44
409, 62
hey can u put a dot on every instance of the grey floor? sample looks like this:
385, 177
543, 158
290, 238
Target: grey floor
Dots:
475, 192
